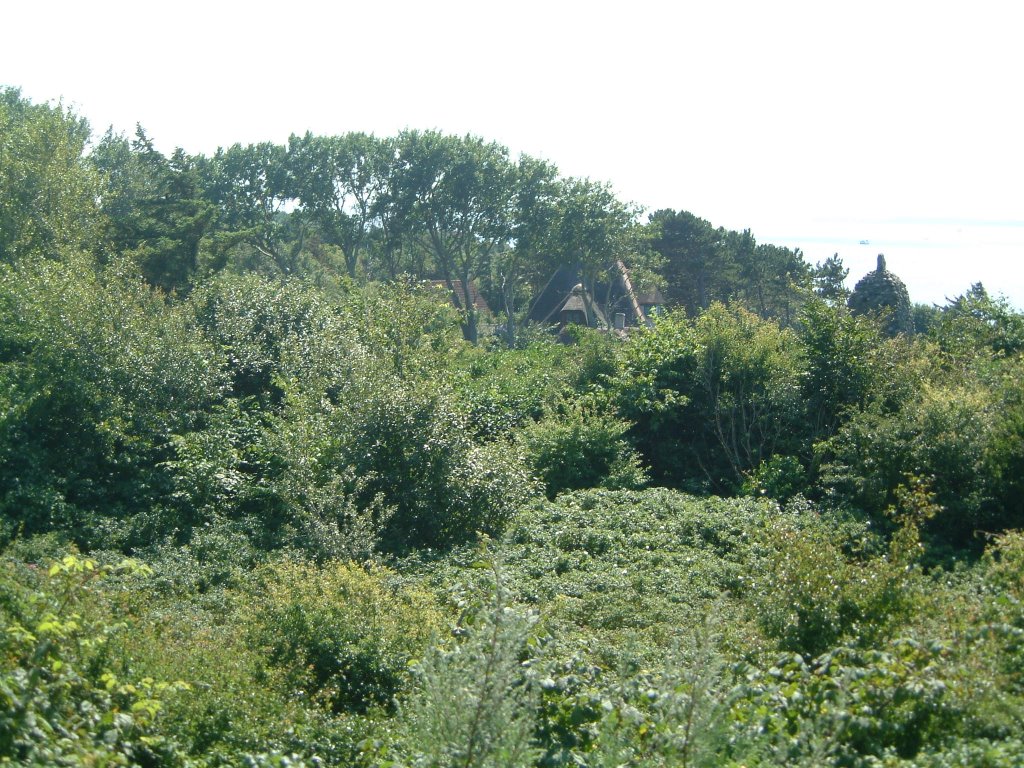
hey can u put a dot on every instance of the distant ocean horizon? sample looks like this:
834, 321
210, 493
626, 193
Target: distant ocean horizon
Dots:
937, 259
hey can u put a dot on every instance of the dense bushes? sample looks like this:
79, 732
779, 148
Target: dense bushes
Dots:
306, 421
661, 628
342, 635
305, 463
832, 411
711, 399
97, 375
582, 448
423, 466
131, 418
59, 702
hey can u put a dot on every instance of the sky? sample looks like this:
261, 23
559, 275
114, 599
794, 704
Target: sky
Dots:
816, 125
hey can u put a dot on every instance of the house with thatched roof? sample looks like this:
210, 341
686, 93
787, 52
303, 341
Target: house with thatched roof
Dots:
565, 300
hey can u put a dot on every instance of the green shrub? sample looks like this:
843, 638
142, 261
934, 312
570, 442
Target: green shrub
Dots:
1004, 459
675, 715
972, 753
844, 707
413, 451
507, 388
712, 398
238, 703
96, 374
843, 364
780, 478
618, 572
811, 596
60, 703
252, 319
473, 701
581, 448
942, 434
339, 633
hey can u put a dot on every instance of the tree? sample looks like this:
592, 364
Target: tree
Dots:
461, 194
252, 188
772, 280
47, 190
595, 231
699, 267
842, 369
392, 247
975, 321
154, 208
829, 278
703, 265
536, 211
337, 180
712, 398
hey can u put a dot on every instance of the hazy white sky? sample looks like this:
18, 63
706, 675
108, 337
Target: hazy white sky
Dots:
814, 124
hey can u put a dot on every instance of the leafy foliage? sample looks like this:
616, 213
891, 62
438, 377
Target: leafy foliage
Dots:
711, 398
581, 449
97, 375
474, 700
345, 638
59, 705
47, 192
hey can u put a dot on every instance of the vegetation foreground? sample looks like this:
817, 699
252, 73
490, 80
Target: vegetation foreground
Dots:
266, 500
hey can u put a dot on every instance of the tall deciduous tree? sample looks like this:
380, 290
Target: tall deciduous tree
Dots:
252, 186
595, 230
535, 217
337, 180
47, 191
462, 200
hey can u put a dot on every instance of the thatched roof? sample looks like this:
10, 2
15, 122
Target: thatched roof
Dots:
550, 300
575, 303
650, 298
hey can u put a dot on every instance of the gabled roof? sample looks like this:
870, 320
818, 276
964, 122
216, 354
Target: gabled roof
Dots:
574, 303
549, 301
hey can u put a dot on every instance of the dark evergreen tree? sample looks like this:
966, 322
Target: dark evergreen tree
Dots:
829, 277
699, 266
154, 209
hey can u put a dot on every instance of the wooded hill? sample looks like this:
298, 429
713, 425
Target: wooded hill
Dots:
264, 502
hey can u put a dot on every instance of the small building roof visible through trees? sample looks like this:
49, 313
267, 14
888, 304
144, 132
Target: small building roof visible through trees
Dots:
565, 293
456, 295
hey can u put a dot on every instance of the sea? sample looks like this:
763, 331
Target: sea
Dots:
938, 260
